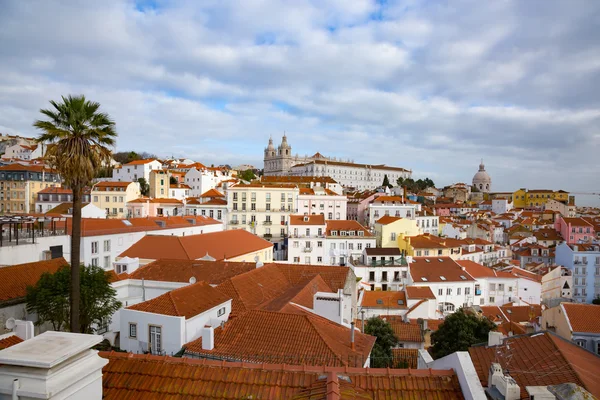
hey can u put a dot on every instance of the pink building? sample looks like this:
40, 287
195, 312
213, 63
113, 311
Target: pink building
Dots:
574, 230
443, 210
358, 204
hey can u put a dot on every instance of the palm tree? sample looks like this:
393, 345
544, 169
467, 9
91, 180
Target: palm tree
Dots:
78, 139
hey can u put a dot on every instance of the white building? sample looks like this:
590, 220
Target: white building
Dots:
501, 206
24, 151
201, 179
495, 287
135, 170
557, 284
314, 240
164, 324
428, 223
394, 206
381, 268
212, 204
319, 200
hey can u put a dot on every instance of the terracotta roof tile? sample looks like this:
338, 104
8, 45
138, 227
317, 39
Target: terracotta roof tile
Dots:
212, 193
539, 359
106, 184
583, 317
218, 245
187, 301
384, 299
387, 219
407, 358
9, 340
141, 162
480, 271
211, 272
419, 292
129, 377
346, 225
437, 269
299, 338
15, 279
99, 226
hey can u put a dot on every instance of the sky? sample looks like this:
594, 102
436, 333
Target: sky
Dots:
431, 86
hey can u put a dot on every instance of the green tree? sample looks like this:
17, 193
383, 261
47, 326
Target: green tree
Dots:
596, 301
386, 181
381, 355
458, 332
79, 139
144, 187
247, 175
172, 180
49, 298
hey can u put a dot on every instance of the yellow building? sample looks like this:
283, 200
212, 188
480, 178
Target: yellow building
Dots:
429, 246
19, 185
159, 184
388, 229
113, 196
537, 198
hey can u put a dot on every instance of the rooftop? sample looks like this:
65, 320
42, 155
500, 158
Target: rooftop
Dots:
583, 317
128, 376
218, 245
299, 338
99, 226
540, 359
387, 219
431, 269
346, 226
384, 299
211, 272
419, 292
307, 219
187, 301
15, 279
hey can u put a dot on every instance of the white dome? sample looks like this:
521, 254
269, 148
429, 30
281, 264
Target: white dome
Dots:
481, 180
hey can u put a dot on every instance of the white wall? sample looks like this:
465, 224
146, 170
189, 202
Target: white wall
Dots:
194, 326
25, 253
454, 298
172, 330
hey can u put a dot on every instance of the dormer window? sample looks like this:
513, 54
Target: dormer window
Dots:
306, 218
343, 233
333, 233
351, 233
361, 233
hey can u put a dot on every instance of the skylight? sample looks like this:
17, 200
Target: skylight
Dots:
442, 277
464, 278
379, 301
424, 279
126, 222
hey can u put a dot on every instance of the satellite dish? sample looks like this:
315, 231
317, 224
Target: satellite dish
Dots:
193, 280
10, 323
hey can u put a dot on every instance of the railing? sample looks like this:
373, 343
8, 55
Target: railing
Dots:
267, 222
307, 249
268, 235
234, 222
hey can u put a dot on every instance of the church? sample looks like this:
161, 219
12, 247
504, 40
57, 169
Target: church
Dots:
280, 161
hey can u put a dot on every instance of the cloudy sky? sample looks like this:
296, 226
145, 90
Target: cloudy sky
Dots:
433, 86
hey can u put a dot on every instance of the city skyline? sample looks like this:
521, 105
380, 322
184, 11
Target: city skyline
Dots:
427, 86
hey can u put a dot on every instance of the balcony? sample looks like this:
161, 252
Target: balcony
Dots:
267, 223
234, 222
268, 236
307, 249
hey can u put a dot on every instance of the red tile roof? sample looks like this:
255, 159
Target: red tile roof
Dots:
15, 279
310, 219
211, 272
218, 245
55, 190
131, 376
384, 299
346, 225
106, 184
9, 340
187, 301
583, 317
301, 338
262, 286
212, 193
419, 292
480, 271
540, 359
407, 332
141, 162
98, 226
387, 219
407, 358
437, 269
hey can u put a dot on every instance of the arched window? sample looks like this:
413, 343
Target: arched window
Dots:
480, 186
448, 307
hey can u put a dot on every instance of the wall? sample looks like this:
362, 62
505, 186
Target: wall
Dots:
195, 325
172, 330
453, 298
405, 226
555, 318
25, 253
264, 256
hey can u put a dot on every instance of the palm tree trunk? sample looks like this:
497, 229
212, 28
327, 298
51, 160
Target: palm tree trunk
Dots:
75, 260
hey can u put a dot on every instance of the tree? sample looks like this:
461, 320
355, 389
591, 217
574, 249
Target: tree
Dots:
247, 175
173, 180
386, 181
144, 187
596, 301
50, 299
458, 332
79, 138
381, 355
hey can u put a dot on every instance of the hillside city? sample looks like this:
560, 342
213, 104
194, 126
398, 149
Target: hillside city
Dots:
288, 272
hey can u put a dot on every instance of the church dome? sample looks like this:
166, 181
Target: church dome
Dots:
481, 180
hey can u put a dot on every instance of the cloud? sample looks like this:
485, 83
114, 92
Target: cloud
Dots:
431, 86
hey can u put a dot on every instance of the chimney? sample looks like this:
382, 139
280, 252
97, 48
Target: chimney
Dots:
495, 338
53, 365
504, 384
208, 338
352, 336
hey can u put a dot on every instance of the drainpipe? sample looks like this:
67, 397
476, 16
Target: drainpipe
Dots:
352, 335
143, 291
15, 387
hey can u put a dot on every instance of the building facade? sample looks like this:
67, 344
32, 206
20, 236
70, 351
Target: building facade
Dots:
19, 185
583, 260
114, 196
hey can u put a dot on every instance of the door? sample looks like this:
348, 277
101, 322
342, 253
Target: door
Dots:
155, 340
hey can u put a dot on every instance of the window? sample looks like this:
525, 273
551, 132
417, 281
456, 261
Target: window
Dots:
107, 198
107, 245
295, 244
448, 291
132, 331
221, 311
106, 262
440, 292
307, 260
319, 259
155, 339
371, 275
501, 286
492, 299
458, 291
580, 343
393, 236
95, 199
492, 286
94, 247
319, 244
297, 260
95, 261
359, 246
